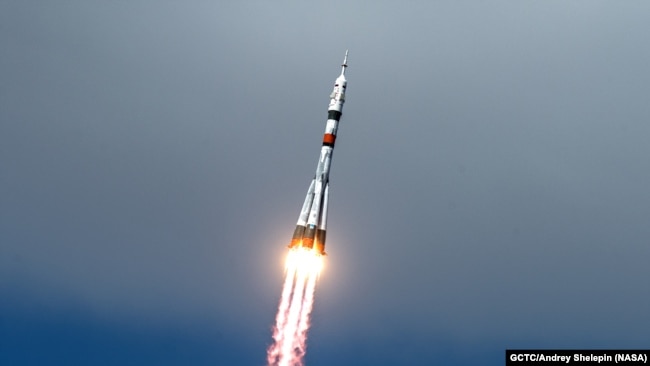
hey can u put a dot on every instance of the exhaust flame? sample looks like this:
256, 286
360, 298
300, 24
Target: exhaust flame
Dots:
302, 269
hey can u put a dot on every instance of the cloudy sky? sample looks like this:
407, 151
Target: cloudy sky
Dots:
489, 190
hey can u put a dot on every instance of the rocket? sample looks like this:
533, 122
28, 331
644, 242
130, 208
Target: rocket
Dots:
312, 222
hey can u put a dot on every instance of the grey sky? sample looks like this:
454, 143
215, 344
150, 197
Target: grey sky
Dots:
489, 186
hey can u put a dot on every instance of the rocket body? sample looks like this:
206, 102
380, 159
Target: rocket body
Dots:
312, 222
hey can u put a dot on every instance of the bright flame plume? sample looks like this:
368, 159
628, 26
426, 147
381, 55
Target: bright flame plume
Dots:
289, 346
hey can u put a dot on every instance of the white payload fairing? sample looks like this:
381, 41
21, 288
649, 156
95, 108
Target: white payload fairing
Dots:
312, 222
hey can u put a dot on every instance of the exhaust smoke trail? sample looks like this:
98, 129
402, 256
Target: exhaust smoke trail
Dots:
303, 325
296, 302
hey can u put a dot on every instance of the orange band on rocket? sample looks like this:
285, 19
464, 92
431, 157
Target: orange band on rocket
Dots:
328, 139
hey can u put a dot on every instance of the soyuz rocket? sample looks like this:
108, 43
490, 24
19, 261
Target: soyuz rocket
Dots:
312, 222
